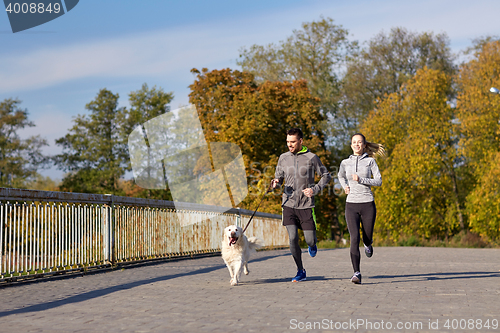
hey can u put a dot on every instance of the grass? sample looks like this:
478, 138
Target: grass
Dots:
330, 244
465, 239
462, 240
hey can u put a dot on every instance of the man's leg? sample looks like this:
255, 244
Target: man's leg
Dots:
310, 236
293, 235
308, 224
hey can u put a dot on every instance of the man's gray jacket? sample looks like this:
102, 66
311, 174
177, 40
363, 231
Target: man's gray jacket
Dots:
297, 171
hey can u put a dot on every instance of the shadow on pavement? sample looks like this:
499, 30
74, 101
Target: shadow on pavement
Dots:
287, 280
433, 277
253, 259
109, 290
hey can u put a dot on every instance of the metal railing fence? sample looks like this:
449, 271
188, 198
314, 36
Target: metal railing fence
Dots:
43, 232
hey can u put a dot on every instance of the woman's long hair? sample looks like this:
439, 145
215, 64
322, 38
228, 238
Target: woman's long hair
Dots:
371, 148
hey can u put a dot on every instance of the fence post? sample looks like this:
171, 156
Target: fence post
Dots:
112, 231
109, 232
238, 218
106, 234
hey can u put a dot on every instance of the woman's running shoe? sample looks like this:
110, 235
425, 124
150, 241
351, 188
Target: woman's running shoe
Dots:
369, 251
356, 278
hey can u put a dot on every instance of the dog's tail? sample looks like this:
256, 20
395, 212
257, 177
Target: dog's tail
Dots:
255, 243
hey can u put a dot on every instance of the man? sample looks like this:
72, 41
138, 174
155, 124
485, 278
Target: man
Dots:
297, 168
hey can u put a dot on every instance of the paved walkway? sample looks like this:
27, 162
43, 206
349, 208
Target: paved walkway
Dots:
404, 289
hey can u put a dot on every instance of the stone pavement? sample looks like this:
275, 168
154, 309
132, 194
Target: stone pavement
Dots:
408, 289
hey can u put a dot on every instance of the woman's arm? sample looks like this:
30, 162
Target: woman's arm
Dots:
377, 177
342, 177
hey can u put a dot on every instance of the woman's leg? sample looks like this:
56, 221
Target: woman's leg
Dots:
352, 217
368, 214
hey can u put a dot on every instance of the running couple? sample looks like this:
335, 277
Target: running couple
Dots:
297, 168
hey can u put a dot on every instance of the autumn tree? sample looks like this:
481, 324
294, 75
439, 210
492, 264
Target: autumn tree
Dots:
479, 112
234, 108
421, 191
20, 159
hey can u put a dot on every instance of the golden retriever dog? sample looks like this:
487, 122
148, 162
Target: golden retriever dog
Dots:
236, 249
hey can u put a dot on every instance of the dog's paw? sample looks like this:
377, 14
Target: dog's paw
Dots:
246, 271
234, 282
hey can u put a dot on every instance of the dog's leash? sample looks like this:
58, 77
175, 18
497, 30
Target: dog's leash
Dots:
269, 189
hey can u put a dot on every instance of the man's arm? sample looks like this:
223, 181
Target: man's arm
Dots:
279, 174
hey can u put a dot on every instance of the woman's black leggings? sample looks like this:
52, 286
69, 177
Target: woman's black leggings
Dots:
355, 213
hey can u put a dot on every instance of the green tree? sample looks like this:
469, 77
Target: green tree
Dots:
145, 104
93, 152
316, 54
421, 191
479, 112
19, 158
383, 67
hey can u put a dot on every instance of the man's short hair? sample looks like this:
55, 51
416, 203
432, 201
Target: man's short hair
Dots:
295, 131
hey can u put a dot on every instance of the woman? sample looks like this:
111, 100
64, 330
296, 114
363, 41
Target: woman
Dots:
355, 176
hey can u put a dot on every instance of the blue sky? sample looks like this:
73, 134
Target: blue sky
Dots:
58, 67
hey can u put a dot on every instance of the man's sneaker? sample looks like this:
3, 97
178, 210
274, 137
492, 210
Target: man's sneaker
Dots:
301, 276
313, 250
356, 278
369, 251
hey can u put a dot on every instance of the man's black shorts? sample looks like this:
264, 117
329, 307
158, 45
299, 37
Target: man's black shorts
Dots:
304, 219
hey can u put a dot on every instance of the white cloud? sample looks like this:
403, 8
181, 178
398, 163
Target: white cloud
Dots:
176, 50
157, 54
